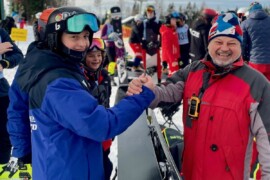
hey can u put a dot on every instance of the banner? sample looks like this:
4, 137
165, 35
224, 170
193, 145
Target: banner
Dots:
18, 34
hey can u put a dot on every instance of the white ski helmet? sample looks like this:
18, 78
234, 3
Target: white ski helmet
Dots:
242, 11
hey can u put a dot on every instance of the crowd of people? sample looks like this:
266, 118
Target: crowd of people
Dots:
56, 114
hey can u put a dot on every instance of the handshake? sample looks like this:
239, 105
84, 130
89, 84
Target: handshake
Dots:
135, 86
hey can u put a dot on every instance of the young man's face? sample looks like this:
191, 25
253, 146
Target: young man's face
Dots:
150, 14
94, 59
77, 42
224, 50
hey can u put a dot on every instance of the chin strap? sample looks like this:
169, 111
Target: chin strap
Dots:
76, 56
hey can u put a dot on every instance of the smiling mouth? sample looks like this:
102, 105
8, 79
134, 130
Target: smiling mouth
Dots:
224, 54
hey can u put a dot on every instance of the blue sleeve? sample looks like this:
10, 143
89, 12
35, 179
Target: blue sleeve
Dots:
13, 57
74, 108
18, 124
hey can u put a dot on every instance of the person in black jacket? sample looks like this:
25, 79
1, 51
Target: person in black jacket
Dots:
8, 24
135, 41
199, 34
10, 56
149, 31
100, 85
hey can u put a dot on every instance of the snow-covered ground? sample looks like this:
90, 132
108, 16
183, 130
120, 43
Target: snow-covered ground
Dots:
9, 74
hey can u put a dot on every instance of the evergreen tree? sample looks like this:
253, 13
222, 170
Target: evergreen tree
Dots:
170, 8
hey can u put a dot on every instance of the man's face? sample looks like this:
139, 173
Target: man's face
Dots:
224, 50
150, 14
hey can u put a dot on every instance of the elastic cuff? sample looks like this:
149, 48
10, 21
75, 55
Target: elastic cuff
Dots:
4, 63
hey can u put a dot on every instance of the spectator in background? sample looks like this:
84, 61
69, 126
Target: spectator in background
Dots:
169, 43
199, 34
256, 51
183, 39
10, 56
256, 39
149, 31
135, 41
110, 58
241, 13
100, 87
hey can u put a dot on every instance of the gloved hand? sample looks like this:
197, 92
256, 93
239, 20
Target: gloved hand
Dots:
144, 44
12, 166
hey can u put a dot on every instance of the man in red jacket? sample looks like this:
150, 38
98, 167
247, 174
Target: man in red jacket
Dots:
225, 105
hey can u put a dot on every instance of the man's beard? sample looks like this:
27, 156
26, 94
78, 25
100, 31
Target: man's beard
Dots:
222, 63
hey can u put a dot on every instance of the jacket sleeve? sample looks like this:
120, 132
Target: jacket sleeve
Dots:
246, 44
13, 57
72, 107
205, 40
172, 90
260, 127
18, 124
104, 32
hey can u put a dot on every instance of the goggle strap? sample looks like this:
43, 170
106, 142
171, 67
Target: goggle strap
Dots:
55, 27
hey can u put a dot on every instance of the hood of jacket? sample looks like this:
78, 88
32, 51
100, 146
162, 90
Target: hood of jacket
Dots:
258, 14
200, 24
37, 63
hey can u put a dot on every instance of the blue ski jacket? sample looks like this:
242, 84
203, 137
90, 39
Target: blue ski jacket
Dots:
67, 124
255, 46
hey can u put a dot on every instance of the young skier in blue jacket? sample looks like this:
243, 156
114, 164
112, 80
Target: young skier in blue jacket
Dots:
67, 124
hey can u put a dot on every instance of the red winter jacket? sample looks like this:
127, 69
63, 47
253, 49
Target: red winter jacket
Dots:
234, 108
170, 46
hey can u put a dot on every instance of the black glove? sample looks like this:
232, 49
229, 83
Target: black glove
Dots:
169, 109
101, 94
144, 44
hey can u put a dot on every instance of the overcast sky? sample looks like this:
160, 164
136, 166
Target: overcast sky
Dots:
221, 5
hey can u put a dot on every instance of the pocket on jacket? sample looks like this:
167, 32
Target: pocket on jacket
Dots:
235, 157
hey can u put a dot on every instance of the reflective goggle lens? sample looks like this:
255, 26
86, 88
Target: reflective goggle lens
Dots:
150, 9
77, 23
98, 43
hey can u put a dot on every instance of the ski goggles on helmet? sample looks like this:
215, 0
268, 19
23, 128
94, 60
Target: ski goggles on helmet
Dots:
77, 23
74, 24
97, 43
150, 9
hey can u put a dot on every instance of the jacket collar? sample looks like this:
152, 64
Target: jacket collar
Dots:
216, 70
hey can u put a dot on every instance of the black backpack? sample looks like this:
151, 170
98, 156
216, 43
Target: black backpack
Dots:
175, 142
